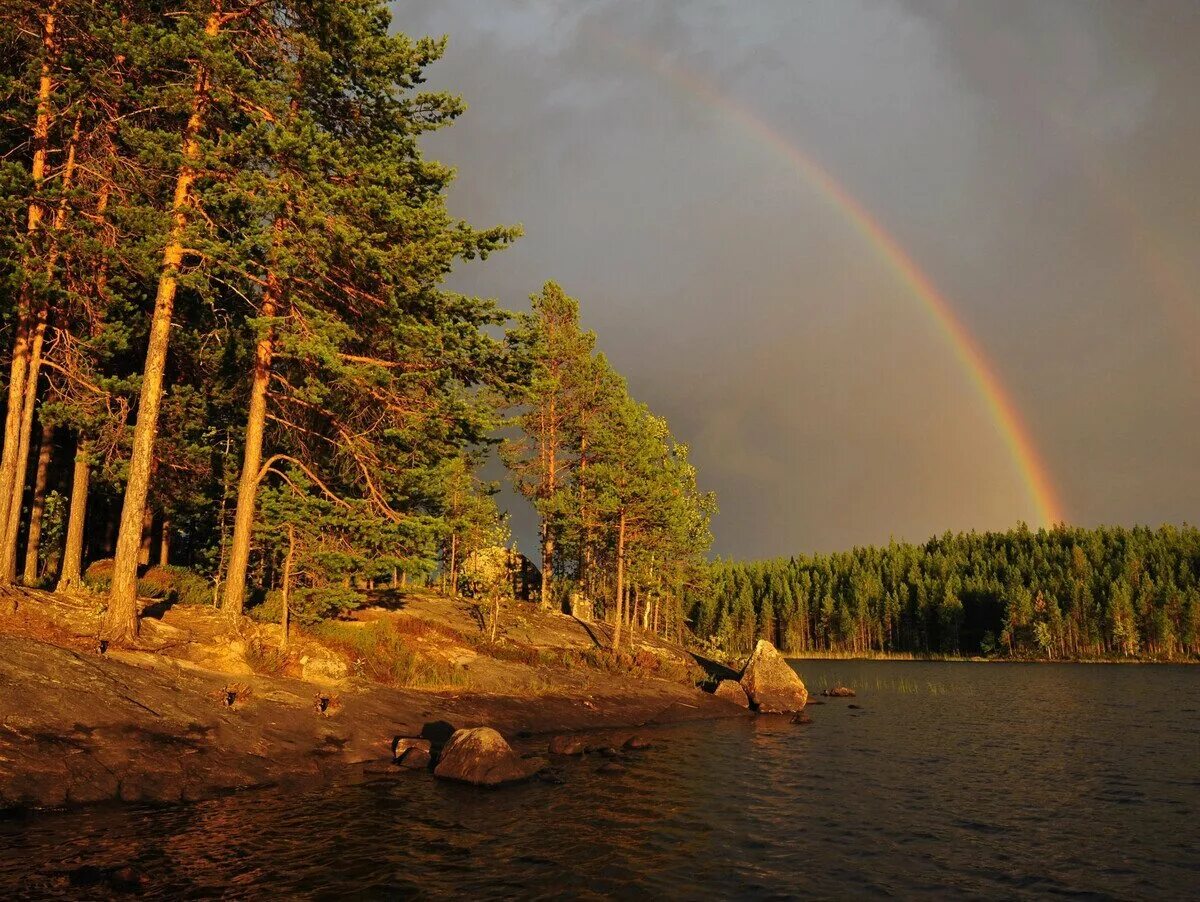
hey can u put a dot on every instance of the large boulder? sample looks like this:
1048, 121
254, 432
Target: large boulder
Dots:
481, 756
732, 691
772, 685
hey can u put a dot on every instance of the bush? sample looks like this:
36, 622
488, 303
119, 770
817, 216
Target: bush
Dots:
307, 606
178, 585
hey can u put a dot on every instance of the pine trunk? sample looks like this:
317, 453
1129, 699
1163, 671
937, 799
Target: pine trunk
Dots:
620, 593
164, 544
147, 537
38, 507
12, 526
121, 621
72, 565
256, 419
22, 342
8, 549
285, 613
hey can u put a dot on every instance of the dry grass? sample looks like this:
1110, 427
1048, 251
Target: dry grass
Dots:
381, 651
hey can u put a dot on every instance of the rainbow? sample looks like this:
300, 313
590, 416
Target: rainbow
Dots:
970, 355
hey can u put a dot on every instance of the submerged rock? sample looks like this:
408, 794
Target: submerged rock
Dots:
802, 719
567, 745
839, 692
481, 756
637, 743
771, 685
731, 690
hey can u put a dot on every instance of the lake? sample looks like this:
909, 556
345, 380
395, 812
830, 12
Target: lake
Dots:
982, 780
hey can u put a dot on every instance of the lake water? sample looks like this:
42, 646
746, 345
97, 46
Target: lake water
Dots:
996, 780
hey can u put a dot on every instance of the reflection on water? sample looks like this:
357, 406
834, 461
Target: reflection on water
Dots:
994, 780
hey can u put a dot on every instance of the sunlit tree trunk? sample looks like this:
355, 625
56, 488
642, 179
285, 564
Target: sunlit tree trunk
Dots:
121, 621
8, 549
72, 565
164, 543
147, 537
23, 338
38, 506
256, 419
286, 592
620, 589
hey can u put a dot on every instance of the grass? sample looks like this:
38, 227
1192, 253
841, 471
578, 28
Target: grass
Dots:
380, 651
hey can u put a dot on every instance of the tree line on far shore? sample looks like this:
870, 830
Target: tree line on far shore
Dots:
224, 259
1062, 594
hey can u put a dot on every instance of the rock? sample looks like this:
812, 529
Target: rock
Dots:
567, 745
403, 744
610, 767
415, 758
321, 666
855, 707
637, 743
802, 719
772, 686
481, 756
609, 752
731, 690
838, 692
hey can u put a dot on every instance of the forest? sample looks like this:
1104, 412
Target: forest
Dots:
1064, 593
230, 356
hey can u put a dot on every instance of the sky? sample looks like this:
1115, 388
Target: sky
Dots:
1033, 162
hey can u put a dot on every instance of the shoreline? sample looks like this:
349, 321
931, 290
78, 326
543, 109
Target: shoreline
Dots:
80, 728
959, 659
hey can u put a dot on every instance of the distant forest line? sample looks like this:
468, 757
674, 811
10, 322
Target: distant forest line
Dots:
1062, 594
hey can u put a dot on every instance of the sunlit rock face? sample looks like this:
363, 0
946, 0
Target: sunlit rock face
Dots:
731, 690
772, 685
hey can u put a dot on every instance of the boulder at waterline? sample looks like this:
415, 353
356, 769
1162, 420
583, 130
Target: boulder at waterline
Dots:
481, 756
770, 683
415, 758
731, 690
637, 743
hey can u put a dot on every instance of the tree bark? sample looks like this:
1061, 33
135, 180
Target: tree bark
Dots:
8, 550
164, 544
620, 593
72, 565
121, 620
256, 418
23, 339
38, 506
147, 537
287, 584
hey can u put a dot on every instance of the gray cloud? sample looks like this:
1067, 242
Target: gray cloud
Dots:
1036, 158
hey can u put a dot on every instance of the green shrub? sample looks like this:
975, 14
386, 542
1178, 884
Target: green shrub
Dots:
307, 606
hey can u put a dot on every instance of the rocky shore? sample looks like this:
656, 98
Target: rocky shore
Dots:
81, 726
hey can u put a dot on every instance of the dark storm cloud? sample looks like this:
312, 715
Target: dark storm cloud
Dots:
1036, 159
